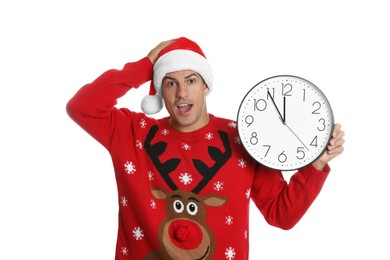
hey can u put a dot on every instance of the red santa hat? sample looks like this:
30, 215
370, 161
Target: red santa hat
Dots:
182, 54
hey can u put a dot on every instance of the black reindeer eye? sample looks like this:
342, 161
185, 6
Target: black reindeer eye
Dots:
192, 208
178, 206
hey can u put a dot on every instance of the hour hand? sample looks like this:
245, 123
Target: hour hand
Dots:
277, 109
284, 109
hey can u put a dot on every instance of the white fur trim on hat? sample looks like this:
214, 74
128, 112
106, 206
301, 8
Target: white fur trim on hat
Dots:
180, 59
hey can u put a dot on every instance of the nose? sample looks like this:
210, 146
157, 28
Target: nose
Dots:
182, 91
185, 234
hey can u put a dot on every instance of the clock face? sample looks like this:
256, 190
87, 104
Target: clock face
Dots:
285, 122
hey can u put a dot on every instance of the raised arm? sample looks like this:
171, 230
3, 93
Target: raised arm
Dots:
93, 106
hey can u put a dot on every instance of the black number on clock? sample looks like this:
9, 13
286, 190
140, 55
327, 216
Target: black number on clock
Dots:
300, 153
314, 142
282, 157
269, 93
268, 148
317, 106
259, 105
322, 121
249, 120
254, 139
286, 89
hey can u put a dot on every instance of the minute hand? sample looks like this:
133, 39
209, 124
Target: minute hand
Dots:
296, 136
281, 117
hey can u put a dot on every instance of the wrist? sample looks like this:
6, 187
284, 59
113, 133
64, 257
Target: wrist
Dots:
319, 165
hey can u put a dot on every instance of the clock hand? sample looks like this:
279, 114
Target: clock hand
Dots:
281, 118
284, 109
296, 136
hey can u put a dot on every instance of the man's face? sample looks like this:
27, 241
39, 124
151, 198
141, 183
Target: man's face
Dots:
184, 94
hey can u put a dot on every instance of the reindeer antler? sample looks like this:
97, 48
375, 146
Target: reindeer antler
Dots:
165, 168
154, 151
218, 156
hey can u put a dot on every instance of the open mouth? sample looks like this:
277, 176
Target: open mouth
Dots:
184, 108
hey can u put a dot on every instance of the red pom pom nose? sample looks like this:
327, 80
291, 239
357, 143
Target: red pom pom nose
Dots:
185, 234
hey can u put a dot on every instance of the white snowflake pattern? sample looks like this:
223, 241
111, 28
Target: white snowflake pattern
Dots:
209, 136
130, 167
124, 251
150, 175
138, 233
153, 204
246, 234
232, 124
248, 193
138, 144
237, 140
218, 186
185, 146
185, 178
229, 220
143, 123
242, 163
124, 201
230, 253
165, 132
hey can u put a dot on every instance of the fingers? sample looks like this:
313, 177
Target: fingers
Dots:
164, 44
336, 143
332, 150
336, 129
153, 54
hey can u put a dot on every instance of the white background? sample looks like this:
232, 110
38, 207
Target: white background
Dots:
57, 187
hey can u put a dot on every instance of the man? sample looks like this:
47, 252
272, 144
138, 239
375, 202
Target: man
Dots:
185, 181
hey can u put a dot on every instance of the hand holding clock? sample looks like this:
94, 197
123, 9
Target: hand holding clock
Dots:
334, 148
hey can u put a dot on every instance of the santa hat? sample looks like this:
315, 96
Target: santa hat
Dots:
182, 54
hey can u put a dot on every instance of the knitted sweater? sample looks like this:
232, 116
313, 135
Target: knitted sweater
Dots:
184, 195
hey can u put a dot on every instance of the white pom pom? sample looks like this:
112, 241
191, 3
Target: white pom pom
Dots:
151, 104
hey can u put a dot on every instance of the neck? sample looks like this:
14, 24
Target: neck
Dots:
190, 127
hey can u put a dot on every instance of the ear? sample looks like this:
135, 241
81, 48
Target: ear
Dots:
159, 193
206, 90
214, 200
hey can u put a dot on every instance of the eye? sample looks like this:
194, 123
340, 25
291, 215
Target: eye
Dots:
178, 206
171, 83
191, 81
192, 208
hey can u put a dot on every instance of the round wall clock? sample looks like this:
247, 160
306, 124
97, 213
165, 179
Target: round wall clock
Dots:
285, 122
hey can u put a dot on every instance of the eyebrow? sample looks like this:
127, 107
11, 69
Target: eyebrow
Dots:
167, 77
192, 74
186, 77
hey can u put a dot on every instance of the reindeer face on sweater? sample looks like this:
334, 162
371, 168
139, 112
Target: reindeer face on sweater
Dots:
184, 234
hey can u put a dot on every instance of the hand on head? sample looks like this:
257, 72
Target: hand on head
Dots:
153, 54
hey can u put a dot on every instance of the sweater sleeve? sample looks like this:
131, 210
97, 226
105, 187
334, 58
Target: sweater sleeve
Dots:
93, 106
284, 203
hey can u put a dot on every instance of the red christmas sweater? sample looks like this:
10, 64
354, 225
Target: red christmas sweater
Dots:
184, 195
